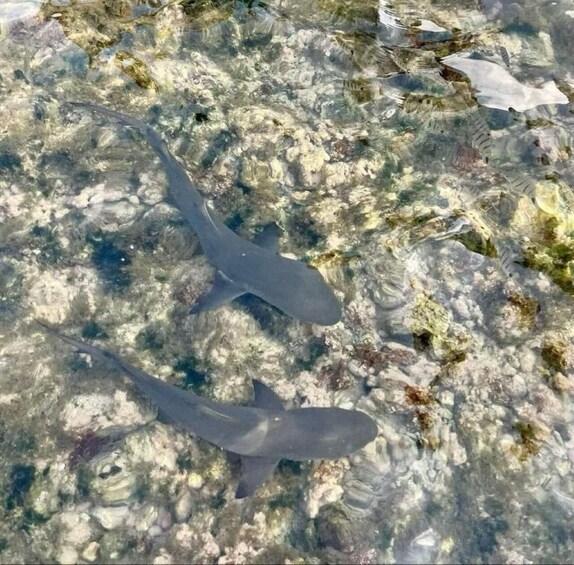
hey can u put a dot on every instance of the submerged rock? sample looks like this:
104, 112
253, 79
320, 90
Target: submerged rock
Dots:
432, 326
113, 481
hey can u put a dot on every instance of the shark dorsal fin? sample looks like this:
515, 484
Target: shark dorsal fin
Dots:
268, 238
254, 471
264, 397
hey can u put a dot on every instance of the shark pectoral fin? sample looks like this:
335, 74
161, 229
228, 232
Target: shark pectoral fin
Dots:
254, 471
264, 397
163, 417
268, 238
222, 291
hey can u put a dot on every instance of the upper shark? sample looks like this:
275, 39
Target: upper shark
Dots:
242, 266
261, 434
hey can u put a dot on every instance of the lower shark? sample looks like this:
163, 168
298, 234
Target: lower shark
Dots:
261, 434
242, 266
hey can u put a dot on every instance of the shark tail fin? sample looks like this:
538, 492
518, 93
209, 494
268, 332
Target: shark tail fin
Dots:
152, 137
118, 116
78, 344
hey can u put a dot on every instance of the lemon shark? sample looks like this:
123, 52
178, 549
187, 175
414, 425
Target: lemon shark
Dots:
261, 434
242, 266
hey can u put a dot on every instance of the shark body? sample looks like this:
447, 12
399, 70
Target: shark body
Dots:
260, 434
242, 266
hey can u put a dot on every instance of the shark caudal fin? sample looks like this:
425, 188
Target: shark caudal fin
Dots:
78, 344
254, 472
152, 137
118, 116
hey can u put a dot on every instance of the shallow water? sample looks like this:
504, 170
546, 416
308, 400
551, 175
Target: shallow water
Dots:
420, 156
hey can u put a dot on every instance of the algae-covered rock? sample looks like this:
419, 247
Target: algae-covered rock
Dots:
555, 260
478, 241
527, 308
349, 10
530, 440
372, 159
432, 325
550, 248
554, 354
135, 68
94, 26
203, 14
51, 488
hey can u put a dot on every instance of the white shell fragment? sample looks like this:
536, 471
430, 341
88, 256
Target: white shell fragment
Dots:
496, 88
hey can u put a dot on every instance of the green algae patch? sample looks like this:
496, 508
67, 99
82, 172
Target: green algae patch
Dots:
551, 246
333, 258
94, 26
135, 68
455, 44
350, 10
18, 498
287, 499
428, 106
529, 442
477, 242
526, 307
102, 24
361, 90
203, 14
555, 260
554, 355
432, 327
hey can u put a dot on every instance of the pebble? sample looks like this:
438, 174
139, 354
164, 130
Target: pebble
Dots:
183, 507
67, 556
90, 552
111, 517
195, 480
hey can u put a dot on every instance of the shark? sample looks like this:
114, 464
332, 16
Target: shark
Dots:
260, 434
243, 266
